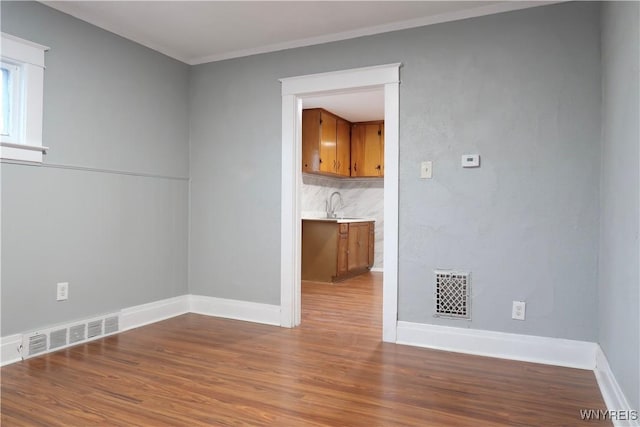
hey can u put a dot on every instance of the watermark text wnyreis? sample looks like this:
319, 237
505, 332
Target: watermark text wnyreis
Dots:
613, 415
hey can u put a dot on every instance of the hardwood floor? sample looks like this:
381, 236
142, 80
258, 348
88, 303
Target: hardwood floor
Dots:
332, 371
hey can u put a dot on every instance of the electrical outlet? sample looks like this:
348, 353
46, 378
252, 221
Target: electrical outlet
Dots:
518, 310
62, 292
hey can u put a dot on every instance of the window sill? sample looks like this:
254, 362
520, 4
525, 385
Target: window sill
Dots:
22, 152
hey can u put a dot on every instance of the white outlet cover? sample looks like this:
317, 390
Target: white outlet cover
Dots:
518, 310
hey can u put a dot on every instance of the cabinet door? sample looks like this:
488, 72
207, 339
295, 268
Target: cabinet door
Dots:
343, 249
372, 240
381, 170
311, 140
373, 151
343, 147
357, 150
367, 150
358, 246
328, 159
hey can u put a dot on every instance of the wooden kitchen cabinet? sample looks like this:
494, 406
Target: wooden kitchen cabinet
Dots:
343, 250
358, 244
326, 143
367, 149
343, 147
334, 251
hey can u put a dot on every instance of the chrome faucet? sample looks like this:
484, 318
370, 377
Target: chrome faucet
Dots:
331, 209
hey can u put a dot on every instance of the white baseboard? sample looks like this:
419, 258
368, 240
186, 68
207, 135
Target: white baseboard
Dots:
144, 314
234, 309
9, 346
612, 394
527, 348
377, 270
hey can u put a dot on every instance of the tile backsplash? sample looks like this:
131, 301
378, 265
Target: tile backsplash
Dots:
361, 197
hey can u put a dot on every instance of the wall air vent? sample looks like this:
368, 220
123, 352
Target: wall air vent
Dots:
94, 328
452, 294
76, 333
58, 338
37, 343
111, 325
62, 336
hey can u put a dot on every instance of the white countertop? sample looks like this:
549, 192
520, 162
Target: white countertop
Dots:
339, 220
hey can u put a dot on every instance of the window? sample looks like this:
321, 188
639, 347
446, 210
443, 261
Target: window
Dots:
10, 102
22, 73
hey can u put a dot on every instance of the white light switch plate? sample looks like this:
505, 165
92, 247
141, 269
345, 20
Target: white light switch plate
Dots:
62, 293
426, 170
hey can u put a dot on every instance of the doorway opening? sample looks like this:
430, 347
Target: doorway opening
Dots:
294, 91
342, 204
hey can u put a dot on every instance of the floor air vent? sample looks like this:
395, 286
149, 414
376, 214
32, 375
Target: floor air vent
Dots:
452, 294
58, 337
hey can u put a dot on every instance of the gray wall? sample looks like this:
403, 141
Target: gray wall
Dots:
522, 89
118, 239
619, 277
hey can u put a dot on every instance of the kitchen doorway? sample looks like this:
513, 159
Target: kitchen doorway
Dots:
294, 91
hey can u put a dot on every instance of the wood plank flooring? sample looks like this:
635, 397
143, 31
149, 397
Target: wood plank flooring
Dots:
194, 370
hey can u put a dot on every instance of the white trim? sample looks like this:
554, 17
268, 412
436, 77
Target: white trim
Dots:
367, 31
391, 209
293, 90
290, 223
377, 269
10, 349
526, 348
145, 314
336, 81
612, 394
235, 309
29, 93
22, 50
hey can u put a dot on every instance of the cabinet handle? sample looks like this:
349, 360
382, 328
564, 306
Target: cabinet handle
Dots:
355, 167
338, 168
320, 161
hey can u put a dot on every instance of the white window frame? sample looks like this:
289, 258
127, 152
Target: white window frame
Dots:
14, 103
25, 141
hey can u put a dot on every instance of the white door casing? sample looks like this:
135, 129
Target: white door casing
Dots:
294, 89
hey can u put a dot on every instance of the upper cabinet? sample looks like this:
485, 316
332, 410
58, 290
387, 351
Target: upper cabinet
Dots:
334, 146
367, 149
325, 143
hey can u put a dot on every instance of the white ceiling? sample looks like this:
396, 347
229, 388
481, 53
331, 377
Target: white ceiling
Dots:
196, 32
361, 106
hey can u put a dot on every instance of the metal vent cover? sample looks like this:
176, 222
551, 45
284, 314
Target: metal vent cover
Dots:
37, 344
76, 333
111, 325
452, 294
94, 328
58, 338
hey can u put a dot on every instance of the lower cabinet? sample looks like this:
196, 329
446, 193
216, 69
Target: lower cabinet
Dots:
334, 251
